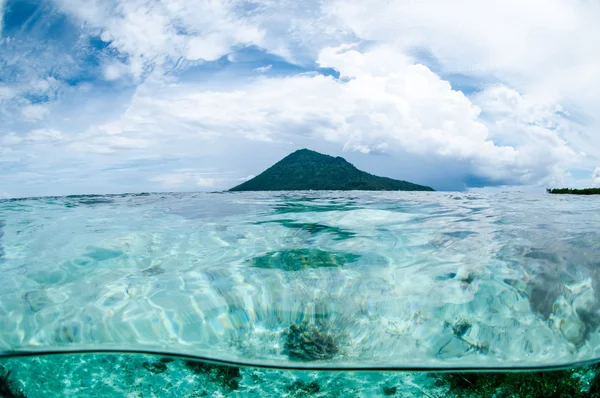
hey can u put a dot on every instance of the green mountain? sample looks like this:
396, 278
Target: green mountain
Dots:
310, 170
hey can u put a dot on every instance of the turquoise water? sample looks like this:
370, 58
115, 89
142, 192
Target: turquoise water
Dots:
119, 375
315, 281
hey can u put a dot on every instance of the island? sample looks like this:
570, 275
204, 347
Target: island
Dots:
569, 191
305, 170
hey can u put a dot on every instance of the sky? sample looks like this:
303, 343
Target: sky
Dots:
112, 96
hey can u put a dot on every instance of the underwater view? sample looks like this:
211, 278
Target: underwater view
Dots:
311, 293
126, 375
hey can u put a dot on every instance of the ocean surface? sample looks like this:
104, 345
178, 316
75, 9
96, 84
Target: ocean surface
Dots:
294, 285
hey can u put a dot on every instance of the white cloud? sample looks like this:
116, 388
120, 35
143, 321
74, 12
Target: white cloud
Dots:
474, 35
384, 103
535, 122
115, 71
596, 177
6, 92
44, 86
14, 96
208, 48
534, 127
10, 139
205, 182
44, 135
547, 50
181, 178
34, 136
169, 180
263, 69
34, 112
153, 33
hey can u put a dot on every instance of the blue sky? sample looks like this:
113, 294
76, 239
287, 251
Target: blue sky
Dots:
100, 96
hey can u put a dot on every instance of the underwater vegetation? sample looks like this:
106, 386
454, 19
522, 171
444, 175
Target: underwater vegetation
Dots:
7, 387
157, 367
286, 208
300, 388
227, 376
389, 391
301, 259
565, 383
153, 271
307, 342
313, 228
460, 329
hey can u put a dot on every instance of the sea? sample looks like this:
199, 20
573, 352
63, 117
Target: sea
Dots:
300, 294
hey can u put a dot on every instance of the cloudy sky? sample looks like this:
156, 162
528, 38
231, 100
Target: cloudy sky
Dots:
101, 96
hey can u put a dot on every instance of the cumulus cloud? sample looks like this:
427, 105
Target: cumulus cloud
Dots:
114, 71
532, 126
154, 33
541, 36
530, 119
543, 49
384, 102
205, 182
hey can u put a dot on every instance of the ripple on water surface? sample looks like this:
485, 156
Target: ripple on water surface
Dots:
309, 279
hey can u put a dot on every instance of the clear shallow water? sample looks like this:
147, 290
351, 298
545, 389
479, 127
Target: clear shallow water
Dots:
136, 376
306, 280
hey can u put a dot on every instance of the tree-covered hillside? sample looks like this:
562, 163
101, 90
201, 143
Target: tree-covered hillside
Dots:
310, 170
568, 191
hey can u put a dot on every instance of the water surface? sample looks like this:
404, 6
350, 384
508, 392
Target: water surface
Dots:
311, 280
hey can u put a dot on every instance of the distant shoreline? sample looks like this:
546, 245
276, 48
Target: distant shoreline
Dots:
568, 191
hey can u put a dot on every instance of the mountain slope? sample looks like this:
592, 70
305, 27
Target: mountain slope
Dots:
310, 170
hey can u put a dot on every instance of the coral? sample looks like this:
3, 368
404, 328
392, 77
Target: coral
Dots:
301, 388
157, 367
520, 384
387, 391
307, 343
461, 327
228, 376
302, 259
7, 387
153, 271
